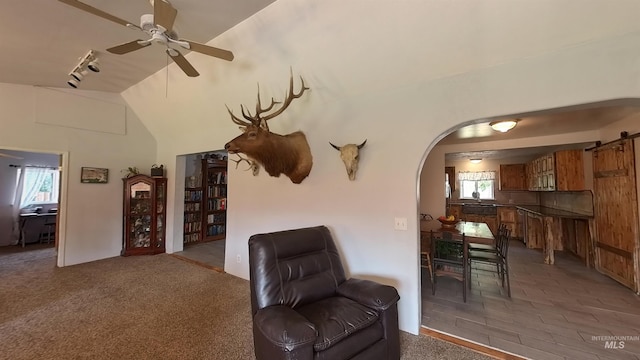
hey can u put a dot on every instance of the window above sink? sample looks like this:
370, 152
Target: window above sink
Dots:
477, 185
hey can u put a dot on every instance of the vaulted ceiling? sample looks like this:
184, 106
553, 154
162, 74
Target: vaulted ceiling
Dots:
43, 41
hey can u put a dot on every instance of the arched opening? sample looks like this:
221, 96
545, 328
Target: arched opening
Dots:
547, 298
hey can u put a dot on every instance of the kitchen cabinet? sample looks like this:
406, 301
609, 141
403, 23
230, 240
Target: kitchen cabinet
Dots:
569, 170
558, 171
513, 177
535, 231
508, 216
144, 215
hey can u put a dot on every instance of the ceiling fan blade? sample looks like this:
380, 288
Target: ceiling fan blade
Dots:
164, 14
90, 9
182, 62
11, 156
209, 50
128, 47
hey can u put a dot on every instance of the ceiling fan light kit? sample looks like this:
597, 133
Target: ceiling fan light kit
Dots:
159, 28
89, 61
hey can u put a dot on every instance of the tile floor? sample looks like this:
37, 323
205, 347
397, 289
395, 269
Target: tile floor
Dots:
210, 254
555, 312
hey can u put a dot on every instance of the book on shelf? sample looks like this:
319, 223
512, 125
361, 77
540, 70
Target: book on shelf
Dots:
219, 218
193, 195
217, 204
213, 230
189, 238
216, 191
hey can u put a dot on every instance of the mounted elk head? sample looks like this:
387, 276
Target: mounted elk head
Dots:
350, 154
278, 154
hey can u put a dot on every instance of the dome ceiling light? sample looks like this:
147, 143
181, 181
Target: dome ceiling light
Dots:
503, 125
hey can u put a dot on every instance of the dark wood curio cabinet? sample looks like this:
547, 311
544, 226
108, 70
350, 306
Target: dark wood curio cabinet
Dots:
144, 215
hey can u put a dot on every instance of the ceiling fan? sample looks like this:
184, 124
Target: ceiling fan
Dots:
11, 156
159, 27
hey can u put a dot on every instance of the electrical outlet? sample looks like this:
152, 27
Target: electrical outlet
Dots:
238, 258
400, 224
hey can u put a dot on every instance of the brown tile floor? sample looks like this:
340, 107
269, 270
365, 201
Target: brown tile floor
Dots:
555, 311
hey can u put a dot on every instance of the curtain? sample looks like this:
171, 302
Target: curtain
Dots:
29, 182
476, 175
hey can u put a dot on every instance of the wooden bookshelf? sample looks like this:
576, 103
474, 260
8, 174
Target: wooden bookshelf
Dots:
193, 214
205, 203
215, 199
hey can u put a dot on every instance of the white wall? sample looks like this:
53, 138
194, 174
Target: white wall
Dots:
90, 214
399, 74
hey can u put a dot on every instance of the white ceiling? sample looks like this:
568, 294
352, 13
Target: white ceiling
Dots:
43, 40
46, 39
544, 123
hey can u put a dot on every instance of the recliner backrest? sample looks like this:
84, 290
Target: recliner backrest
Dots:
293, 267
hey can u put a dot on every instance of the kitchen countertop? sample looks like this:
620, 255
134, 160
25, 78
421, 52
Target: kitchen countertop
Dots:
546, 211
535, 209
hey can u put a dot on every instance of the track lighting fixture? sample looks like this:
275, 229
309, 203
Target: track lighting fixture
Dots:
77, 75
89, 61
73, 83
93, 65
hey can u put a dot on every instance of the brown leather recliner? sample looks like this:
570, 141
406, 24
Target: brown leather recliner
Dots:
304, 307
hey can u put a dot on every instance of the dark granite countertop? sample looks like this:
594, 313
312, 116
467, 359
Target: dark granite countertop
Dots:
546, 211
535, 209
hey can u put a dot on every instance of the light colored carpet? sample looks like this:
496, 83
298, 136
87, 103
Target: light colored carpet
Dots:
142, 307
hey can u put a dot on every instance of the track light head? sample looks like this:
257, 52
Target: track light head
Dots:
77, 75
93, 65
73, 83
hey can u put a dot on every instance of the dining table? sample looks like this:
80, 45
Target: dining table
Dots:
26, 217
476, 232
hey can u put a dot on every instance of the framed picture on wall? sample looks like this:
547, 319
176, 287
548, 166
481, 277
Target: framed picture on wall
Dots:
91, 175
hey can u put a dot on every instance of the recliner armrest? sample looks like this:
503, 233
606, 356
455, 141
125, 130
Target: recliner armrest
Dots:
369, 293
284, 327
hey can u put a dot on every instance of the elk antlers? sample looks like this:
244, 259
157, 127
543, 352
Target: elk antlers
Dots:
252, 164
259, 119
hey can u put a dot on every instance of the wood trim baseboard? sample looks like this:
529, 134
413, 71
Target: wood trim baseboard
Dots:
485, 350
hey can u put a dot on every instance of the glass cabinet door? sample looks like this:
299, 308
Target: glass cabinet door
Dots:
140, 215
160, 194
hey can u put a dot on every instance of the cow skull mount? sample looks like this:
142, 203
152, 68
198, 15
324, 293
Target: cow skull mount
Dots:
350, 155
277, 154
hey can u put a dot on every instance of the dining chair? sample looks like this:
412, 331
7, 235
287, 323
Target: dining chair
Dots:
449, 257
497, 258
425, 254
489, 247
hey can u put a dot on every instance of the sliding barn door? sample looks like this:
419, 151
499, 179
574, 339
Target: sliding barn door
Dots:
616, 212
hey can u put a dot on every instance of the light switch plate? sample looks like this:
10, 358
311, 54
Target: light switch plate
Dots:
400, 224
